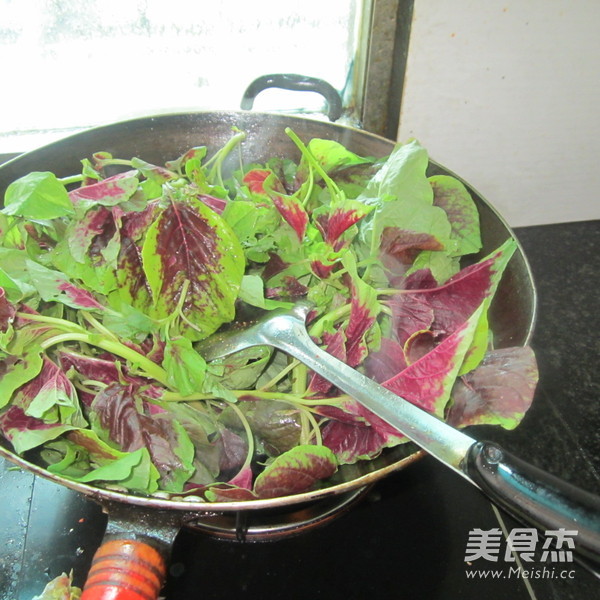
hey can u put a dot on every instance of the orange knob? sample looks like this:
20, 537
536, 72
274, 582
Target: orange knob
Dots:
125, 570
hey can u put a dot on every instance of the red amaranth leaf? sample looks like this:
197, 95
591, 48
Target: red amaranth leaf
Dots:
339, 219
444, 308
108, 192
189, 244
387, 362
264, 183
228, 493
117, 410
292, 211
498, 392
427, 382
217, 204
334, 344
354, 441
78, 297
363, 312
295, 471
400, 247
255, 180
41, 410
7, 312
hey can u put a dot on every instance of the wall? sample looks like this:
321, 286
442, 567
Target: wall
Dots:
507, 95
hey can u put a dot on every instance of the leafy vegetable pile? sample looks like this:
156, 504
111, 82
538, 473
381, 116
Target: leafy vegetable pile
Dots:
110, 278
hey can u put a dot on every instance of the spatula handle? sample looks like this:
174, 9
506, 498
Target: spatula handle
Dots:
125, 570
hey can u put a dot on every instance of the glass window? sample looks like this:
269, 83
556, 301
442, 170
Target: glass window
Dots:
72, 64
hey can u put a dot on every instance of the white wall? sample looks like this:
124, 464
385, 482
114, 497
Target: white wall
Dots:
507, 95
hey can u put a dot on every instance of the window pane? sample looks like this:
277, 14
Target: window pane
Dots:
70, 64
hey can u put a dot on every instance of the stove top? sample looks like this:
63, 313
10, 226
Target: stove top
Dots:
407, 535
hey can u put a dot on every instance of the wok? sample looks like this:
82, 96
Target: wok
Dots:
135, 520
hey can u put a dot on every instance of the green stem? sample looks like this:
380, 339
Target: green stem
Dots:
72, 179
319, 326
249, 435
148, 367
172, 396
215, 169
59, 323
334, 190
98, 326
279, 376
299, 375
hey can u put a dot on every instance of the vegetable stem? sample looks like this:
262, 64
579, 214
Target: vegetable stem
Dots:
172, 396
71, 179
317, 329
150, 368
59, 323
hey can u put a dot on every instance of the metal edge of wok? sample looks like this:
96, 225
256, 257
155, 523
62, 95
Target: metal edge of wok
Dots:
167, 132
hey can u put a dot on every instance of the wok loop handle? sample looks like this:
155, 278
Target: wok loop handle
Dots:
538, 498
125, 570
297, 83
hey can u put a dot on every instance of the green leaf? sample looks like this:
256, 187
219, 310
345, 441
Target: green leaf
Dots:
330, 155
38, 195
134, 471
56, 401
253, 224
452, 196
15, 273
13, 290
18, 371
402, 176
252, 291
53, 286
441, 265
185, 368
242, 369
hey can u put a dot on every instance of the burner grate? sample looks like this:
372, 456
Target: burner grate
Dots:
274, 523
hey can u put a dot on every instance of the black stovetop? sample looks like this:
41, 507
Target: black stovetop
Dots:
407, 538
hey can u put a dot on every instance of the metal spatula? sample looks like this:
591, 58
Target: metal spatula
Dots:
528, 493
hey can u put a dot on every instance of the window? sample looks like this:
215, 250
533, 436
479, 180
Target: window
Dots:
71, 64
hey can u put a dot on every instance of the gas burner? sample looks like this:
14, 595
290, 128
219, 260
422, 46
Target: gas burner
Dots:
274, 523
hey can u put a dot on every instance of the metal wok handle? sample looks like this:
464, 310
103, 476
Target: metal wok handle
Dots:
297, 83
538, 498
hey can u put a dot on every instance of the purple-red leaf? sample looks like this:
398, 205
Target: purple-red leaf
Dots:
263, 182
41, 410
295, 471
7, 312
355, 441
191, 245
108, 192
118, 411
387, 362
334, 344
400, 247
444, 308
498, 392
337, 220
427, 382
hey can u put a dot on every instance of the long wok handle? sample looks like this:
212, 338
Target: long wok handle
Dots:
538, 498
124, 569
